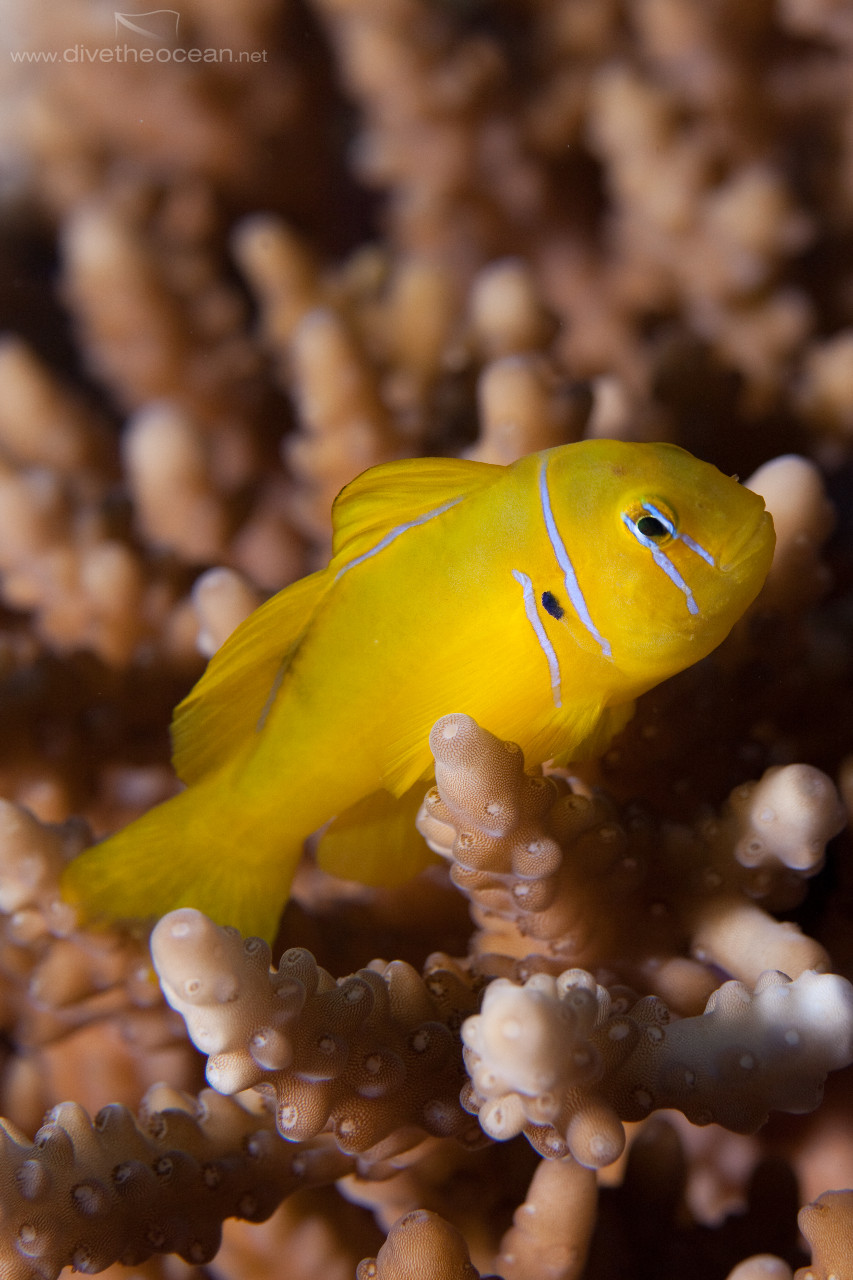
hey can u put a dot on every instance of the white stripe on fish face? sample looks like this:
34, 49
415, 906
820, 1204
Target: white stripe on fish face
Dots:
569, 575
532, 611
394, 533
684, 537
661, 559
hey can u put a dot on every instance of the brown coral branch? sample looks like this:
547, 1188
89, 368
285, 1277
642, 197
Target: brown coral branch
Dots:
565, 1061
421, 1245
372, 1056
558, 877
551, 1231
87, 1193
827, 1224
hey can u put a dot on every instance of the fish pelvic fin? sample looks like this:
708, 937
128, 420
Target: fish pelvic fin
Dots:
227, 705
376, 841
609, 722
186, 853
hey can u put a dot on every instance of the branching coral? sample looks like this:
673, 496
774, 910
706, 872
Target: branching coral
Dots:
761, 1267
363, 229
222, 599
60, 559
71, 997
371, 1056
345, 427
536, 857
551, 1230
89, 1193
420, 1245
563, 1062
803, 518
522, 409
827, 1224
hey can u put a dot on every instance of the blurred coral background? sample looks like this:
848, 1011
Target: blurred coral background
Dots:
249, 249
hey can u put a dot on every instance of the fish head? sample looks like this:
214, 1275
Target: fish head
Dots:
674, 552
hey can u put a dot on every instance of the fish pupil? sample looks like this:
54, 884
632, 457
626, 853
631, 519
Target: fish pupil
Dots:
552, 604
651, 527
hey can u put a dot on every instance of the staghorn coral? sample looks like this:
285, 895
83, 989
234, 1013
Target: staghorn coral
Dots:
672, 187
222, 599
87, 1193
320, 1234
564, 1062
803, 518
523, 409
827, 1224
534, 856
420, 1244
828, 1227
551, 1230
344, 425
60, 559
43, 424
762, 1266
371, 1056
72, 1000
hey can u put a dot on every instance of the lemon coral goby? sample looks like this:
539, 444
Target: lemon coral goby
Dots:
541, 599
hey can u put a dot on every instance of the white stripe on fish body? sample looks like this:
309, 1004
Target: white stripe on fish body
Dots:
663, 561
272, 695
394, 534
569, 576
532, 611
385, 541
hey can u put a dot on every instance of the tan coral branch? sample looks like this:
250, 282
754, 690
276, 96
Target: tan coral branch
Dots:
371, 1056
87, 1193
565, 1062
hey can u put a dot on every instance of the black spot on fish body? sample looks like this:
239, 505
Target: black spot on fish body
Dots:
552, 604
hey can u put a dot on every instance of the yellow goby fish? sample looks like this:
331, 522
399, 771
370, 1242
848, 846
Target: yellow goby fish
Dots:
540, 598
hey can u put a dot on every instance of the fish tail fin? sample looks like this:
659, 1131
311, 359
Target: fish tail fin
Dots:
190, 851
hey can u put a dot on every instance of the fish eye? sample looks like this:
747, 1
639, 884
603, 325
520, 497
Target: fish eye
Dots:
652, 521
651, 527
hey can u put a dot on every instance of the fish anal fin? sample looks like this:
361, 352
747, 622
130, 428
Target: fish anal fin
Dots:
398, 493
223, 709
375, 841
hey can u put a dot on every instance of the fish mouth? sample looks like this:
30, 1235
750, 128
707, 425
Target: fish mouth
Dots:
751, 538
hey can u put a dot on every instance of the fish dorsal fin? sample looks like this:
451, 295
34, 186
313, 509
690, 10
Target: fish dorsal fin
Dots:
221, 712
395, 495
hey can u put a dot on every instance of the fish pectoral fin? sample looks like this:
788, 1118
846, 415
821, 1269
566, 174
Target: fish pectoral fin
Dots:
376, 841
223, 710
397, 493
497, 687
